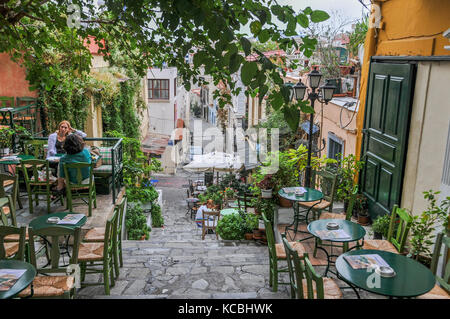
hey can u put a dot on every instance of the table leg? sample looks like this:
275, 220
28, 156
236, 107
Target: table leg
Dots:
296, 222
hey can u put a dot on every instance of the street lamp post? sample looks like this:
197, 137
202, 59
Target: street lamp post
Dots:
327, 94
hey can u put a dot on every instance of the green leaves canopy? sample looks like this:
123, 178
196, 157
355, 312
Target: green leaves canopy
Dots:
153, 32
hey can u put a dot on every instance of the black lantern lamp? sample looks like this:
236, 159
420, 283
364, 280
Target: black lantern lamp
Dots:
314, 79
327, 91
299, 90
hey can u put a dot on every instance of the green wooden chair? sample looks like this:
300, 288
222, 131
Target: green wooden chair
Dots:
100, 255
16, 249
97, 234
37, 184
394, 243
276, 254
325, 181
55, 281
10, 184
81, 189
442, 289
304, 281
346, 216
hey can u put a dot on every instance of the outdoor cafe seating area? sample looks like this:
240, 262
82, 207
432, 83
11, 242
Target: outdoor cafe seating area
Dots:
324, 251
47, 236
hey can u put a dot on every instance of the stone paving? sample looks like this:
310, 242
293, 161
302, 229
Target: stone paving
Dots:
176, 263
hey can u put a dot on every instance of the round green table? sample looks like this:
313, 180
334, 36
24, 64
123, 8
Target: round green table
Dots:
229, 211
41, 221
17, 161
354, 231
24, 280
412, 278
310, 195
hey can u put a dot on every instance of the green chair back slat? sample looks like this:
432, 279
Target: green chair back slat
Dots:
78, 173
405, 220
35, 148
351, 204
12, 230
313, 279
326, 182
56, 233
444, 281
72, 187
15, 186
8, 219
295, 268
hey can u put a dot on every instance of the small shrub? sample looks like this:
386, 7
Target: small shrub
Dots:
381, 225
157, 219
230, 227
136, 223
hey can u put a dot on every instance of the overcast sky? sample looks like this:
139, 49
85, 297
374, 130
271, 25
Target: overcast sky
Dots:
348, 10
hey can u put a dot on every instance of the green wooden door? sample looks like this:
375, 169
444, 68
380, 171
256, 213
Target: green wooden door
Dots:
385, 138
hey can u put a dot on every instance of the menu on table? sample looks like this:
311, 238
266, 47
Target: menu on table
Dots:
8, 277
333, 234
71, 219
366, 261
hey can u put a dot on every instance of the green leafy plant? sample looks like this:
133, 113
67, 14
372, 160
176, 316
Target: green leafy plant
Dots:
136, 223
157, 218
358, 36
347, 170
381, 225
424, 225
298, 158
250, 222
142, 194
6, 135
230, 227
230, 193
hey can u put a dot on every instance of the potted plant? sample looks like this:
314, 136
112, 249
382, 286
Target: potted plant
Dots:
250, 223
423, 227
286, 176
380, 227
362, 209
266, 186
6, 135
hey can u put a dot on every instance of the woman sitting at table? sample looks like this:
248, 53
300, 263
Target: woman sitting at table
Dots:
75, 153
56, 140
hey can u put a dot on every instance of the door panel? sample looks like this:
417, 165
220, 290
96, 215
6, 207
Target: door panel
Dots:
385, 131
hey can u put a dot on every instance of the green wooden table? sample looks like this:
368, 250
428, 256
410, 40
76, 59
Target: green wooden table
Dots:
229, 211
310, 195
41, 221
412, 278
23, 282
355, 232
16, 161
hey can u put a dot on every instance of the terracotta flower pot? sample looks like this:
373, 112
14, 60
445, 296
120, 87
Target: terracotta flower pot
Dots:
284, 202
248, 236
363, 220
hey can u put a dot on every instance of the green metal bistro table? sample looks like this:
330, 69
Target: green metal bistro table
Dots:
310, 195
41, 222
355, 232
24, 280
229, 211
412, 278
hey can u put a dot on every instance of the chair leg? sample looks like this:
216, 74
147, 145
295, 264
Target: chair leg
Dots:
275, 276
18, 201
30, 202
116, 261
83, 272
106, 277
90, 205
315, 247
120, 253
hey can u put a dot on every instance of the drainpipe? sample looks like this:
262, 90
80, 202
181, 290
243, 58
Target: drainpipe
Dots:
370, 45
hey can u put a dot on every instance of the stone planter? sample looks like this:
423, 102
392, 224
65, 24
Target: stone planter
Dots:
266, 193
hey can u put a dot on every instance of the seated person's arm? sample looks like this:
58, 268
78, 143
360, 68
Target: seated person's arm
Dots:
51, 151
80, 133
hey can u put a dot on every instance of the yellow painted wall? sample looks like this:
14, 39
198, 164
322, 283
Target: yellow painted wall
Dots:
408, 28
